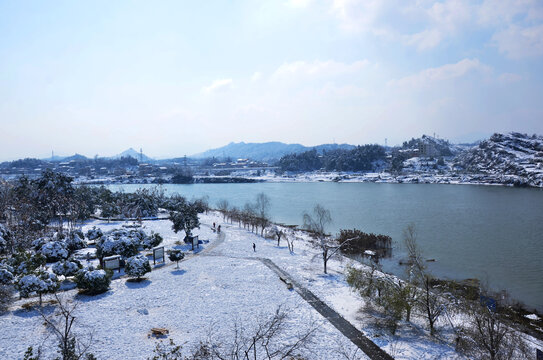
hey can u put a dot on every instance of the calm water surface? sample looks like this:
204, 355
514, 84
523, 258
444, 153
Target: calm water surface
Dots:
487, 232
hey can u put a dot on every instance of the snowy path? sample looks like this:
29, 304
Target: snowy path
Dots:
373, 351
366, 345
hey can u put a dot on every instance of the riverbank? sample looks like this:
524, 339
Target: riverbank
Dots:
319, 176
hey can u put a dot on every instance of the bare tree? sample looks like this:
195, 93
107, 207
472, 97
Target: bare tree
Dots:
266, 340
223, 207
488, 336
414, 253
316, 223
278, 232
262, 207
431, 304
61, 324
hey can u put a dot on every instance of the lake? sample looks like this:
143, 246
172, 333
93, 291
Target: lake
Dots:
492, 233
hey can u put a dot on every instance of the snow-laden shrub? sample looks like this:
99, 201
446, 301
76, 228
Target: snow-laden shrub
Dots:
6, 276
39, 283
54, 251
38, 243
176, 255
93, 282
94, 233
5, 235
25, 262
75, 241
151, 241
6, 297
124, 246
137, 266
66, 268
137, 234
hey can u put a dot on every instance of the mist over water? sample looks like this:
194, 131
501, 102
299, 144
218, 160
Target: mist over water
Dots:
491, 233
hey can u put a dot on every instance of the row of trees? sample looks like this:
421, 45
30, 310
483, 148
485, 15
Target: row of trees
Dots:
252, 216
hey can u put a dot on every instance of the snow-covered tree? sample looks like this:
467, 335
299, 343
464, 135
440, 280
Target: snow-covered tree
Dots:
123, 246
75, 241
137, 266
94, 233
5, 237
176, 255
6, 297
66, 268
92, 281
40, 282
151, 241
6, 276
185, 218
25, 262
39, 242
54, 251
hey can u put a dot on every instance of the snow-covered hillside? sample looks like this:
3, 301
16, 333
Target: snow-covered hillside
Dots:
515, 158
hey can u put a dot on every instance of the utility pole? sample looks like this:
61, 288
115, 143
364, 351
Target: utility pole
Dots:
141, 155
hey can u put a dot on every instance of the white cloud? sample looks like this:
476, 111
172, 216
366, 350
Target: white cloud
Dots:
217, 85
425, 39
256, 76
517, 42
425, 24
508, 78
360, 15
298, 3
318, 68
442, 73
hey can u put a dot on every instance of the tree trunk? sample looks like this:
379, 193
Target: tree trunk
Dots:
325, 259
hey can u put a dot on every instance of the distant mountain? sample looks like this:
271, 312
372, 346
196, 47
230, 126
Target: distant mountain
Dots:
516, 157
268, 151
76, 157
132, 153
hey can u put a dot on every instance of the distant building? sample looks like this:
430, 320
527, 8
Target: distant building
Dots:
427, 149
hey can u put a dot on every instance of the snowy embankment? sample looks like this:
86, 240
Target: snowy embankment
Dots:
213, 290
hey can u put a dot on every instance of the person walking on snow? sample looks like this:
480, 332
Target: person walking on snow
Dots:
254, 247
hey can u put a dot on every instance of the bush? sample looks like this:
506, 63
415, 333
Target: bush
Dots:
75, 241
6, 276
358, 242
5, 236
25, 262
54, 251
137, 266
152, 241
123, 246
40, 282
94, 233
6, 297
38, 243
92, 282
66, 268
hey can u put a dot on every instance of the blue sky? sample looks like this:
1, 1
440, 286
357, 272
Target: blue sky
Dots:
180, 77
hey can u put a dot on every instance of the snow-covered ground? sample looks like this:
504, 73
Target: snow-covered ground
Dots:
214, 289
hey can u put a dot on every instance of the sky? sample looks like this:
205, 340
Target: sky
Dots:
180, 77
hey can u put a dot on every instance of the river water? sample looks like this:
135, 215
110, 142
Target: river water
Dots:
492, 233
